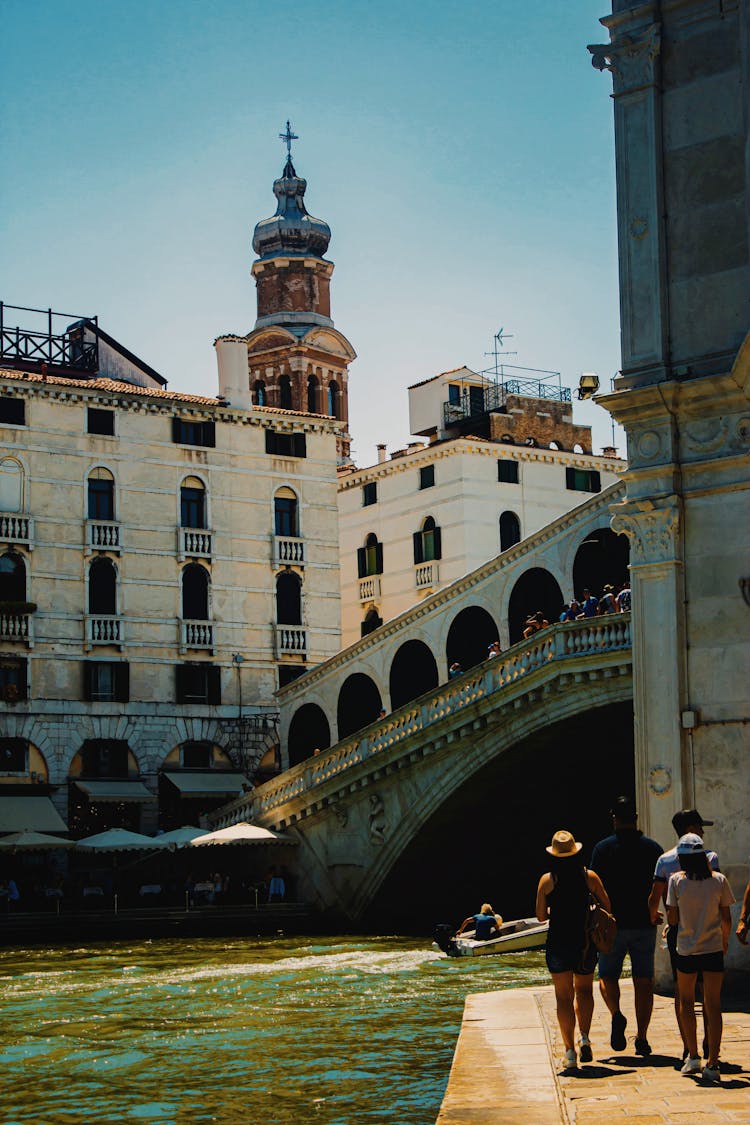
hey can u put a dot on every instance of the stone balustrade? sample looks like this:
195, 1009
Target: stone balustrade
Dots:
194, 542
104, 630
291, 639
369, 588
17, 627
426, 575
288, 551
196, 635
103, 535
15, 528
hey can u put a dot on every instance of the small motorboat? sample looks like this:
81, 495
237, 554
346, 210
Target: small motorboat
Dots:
514, 937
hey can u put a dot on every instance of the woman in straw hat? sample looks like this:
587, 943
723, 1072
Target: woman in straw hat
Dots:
563, 897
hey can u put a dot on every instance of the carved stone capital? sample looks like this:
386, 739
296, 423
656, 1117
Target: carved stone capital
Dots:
630, 59
651, 529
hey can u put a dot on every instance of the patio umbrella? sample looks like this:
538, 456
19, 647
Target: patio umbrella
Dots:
180, 836
117, 840
33, 842
241, 833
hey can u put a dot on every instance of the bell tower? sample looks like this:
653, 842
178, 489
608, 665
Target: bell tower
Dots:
297, 359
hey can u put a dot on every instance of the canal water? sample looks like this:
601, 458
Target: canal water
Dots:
291, 1031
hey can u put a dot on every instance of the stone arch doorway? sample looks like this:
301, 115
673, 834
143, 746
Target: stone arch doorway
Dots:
536, 589
471, 633
413, 672
308, 731
601, 558
359, 704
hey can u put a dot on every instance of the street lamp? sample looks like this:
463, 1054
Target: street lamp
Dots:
588, 384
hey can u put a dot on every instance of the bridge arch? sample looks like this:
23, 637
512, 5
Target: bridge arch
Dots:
308, 731
471, 633
359, 703
536, 589
601, 557
413, 672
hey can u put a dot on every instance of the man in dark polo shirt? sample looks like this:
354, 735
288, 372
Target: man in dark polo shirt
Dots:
625, 864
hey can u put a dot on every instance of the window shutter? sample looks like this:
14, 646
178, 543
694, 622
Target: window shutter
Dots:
122, 682
361, 562
270, 441
437, 540
213, 676
87, 672
418, 552
570, 477
180, 682
378, 558
209, 433
300, 445
596, 481
177, 431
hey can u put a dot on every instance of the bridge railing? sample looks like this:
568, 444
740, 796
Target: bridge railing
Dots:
556, 643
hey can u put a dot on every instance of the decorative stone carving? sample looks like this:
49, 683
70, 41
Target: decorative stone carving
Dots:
341, 814
377, 819
707, 435
660, 781
652, 530
648, 445
630, 58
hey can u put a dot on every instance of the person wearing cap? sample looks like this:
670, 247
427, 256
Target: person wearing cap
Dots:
698, 903
625, 862
563, 897
684, 821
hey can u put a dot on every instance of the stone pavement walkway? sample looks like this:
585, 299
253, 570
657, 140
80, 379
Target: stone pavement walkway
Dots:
507, 1069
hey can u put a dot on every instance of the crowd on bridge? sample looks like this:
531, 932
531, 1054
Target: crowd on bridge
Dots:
613, 907
612, 599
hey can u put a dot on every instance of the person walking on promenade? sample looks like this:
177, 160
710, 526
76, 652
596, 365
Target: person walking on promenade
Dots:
563, 897
684, 821
698, 902
625, 863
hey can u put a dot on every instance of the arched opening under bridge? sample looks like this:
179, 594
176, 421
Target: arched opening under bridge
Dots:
308, 732
601, 558
413, 672
471, 633
359, 704
535, 590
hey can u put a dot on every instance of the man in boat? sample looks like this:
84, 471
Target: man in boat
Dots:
484, 924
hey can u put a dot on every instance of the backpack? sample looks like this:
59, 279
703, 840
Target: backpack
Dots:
601, 926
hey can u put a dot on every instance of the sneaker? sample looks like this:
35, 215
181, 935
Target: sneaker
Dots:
587, 1054
711, 1073
617, 1039
570, 1062
691, 1065
642, 1047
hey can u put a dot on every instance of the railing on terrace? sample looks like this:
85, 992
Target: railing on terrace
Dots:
16, 529
51, 341
426, 575
558, 643
369, 588
494, 395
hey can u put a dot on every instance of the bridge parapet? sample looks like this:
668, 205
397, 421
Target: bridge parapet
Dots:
576, 648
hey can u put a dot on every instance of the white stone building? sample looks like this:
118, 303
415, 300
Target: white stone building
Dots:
501, 463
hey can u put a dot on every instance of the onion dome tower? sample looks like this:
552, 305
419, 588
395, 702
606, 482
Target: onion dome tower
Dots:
297, 358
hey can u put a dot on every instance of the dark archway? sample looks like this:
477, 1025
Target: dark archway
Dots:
372, 621
12, 578
195, 593
510, 530
534, 590
102, 587
285, 393
602, 557
288, 599
359, 704
312, 395
308, 732
334, 399
471, 633
413, 672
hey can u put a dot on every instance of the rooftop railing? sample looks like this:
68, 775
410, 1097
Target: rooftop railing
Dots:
53, 340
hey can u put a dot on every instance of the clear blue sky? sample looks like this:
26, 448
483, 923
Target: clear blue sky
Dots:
462, 154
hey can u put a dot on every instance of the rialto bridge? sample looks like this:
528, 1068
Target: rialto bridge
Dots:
451, 793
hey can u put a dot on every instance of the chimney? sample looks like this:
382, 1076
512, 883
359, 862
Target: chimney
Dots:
234, 381
609, 451
382, 455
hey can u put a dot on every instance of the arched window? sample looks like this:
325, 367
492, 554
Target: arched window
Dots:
510, 530
370, 557
288, 599
285, 392
11, 485
12, 578
285, 512
427, 542
333, 399
312, 395
195, 592
192, 503
102, 587
101, 494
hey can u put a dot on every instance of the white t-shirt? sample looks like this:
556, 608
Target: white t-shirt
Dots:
698, 901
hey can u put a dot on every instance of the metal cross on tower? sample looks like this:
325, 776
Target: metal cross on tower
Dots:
288, 137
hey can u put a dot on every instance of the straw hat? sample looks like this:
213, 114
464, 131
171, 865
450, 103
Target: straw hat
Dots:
564, 844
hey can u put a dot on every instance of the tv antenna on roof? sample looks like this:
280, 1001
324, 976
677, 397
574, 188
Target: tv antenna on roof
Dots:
497, 342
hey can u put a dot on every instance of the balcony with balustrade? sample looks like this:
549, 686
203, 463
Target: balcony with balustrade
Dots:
104, 629
426, 576
103, 535
194, 543
17, 529
17, 624
196, 635
288, 550
291, 640
369, 588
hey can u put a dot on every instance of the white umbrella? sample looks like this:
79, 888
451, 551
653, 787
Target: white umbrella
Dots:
117, 840
241, 833
34, 842
178, 836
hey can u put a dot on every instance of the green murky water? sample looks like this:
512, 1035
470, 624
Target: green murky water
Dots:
322, 1031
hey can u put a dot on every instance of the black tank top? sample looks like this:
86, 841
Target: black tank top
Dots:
568, 901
